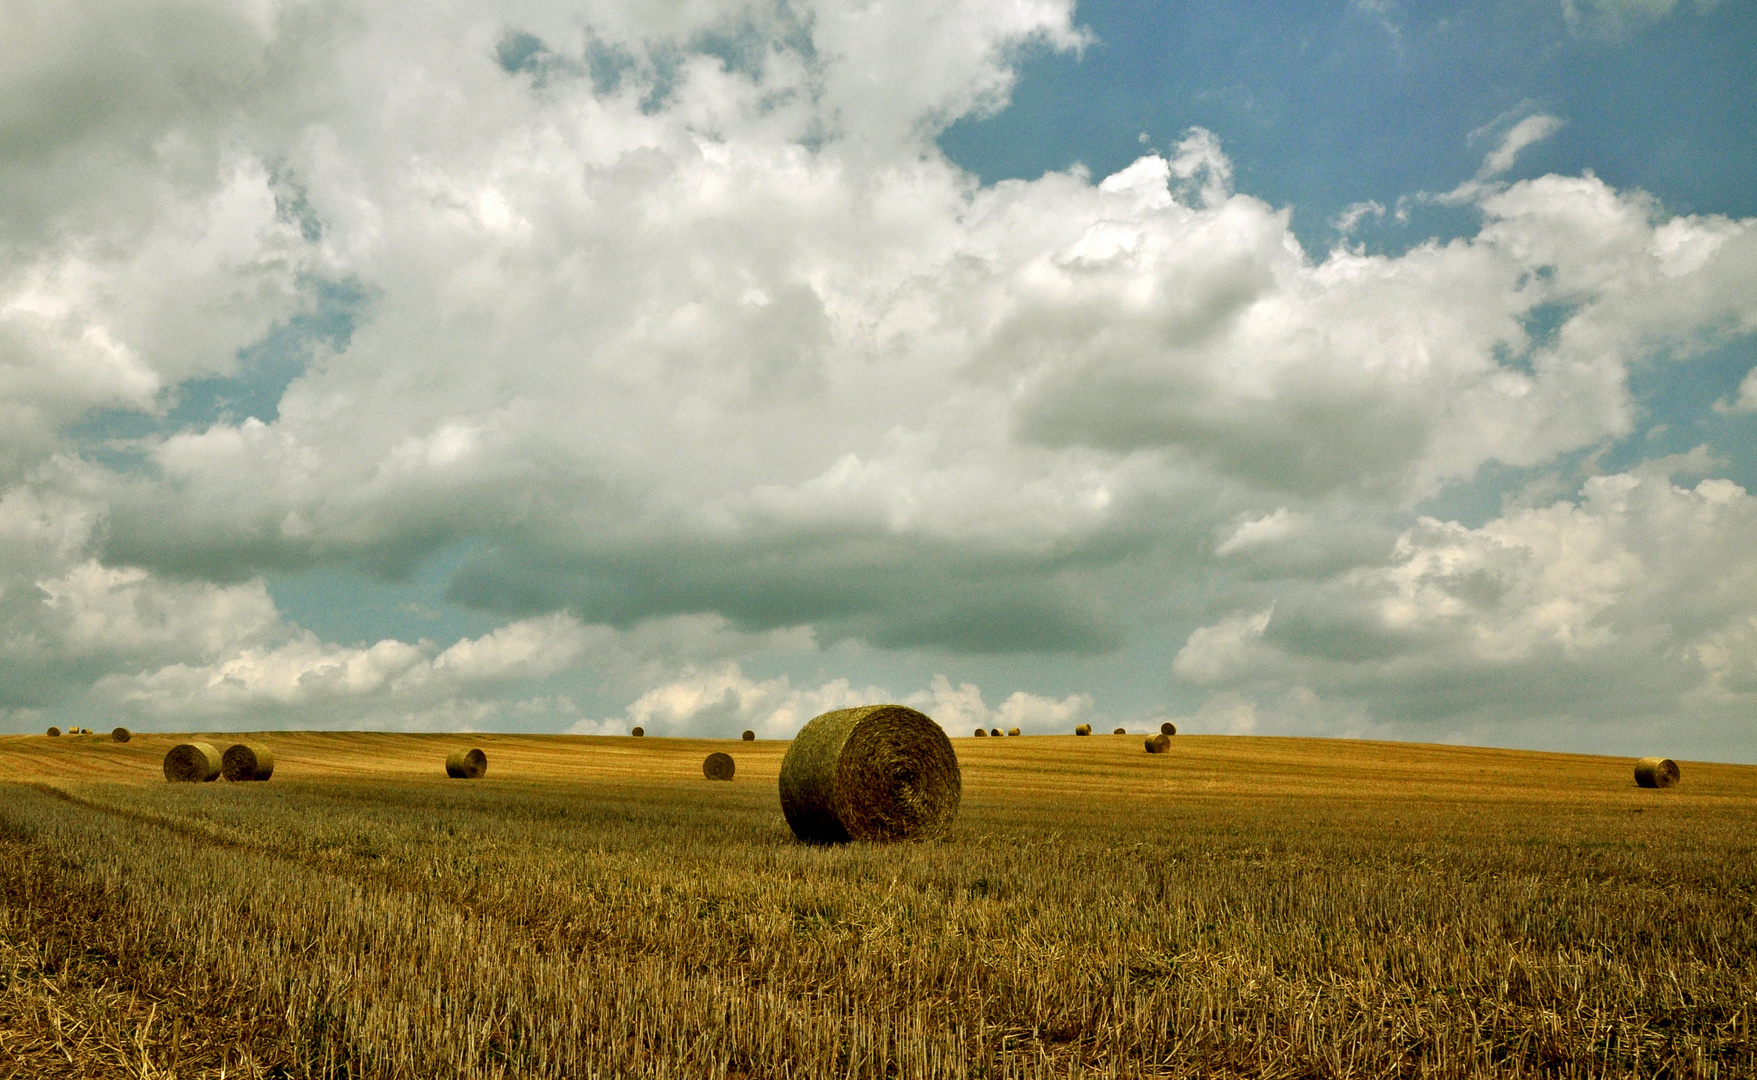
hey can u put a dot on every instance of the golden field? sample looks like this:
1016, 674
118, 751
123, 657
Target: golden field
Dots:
595, 907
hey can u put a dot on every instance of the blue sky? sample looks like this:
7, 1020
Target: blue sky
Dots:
1368, 369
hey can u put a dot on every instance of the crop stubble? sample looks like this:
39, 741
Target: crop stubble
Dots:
1214, 911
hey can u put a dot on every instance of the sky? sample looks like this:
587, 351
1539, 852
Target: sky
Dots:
1356, 369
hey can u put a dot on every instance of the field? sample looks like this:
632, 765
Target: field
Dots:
595, 908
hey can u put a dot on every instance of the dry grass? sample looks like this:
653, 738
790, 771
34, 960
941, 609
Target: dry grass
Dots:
1237, 907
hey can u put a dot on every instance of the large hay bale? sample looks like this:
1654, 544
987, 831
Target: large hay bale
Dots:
1158, 744
719, 766
749, 735
1656, 772
192, 763
466, 764
54, 733
1168, 728
638, 731
247, 761
1012, 731
1083, 729
876, 772
1120, 731
996, 732
982, 733
121, 734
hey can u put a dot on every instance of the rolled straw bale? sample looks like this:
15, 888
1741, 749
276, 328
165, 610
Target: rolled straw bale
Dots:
1083, 729
982, 733
719, 766
749, 735
54, 733
466, 764
875, 772
1168, 728
1120, 731
996, 732
638, 731
248, 761
1158, 744
121, 734
1012, 731
1656, 772
192, 763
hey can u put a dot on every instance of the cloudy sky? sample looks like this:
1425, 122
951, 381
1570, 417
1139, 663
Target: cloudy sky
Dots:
1363, 369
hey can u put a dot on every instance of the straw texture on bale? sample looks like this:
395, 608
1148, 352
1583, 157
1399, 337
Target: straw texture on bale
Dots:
248, 761
192, 763
54, 733
1012, 731
982, 733
875, 772
121, 734
719, 766
1656, 772
466, 764
1168, 728
1083, 729
749, 735
1158, 744
1120, 731
638, 732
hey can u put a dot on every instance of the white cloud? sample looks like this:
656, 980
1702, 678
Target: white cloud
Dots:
1532, 129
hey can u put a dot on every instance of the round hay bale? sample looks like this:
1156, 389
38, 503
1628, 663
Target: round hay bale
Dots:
749, 735
1120, 731
876, 772
1012, 731
1168, 728
1158, 744
982, 733
719, 766
192, 763
54, 733
638, 731
247, 761
121, 734
1083, 729
996, 732
1656, 772
466, 764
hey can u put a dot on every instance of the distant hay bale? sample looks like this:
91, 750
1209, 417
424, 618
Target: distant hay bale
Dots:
1168, 728
54, 733
875, 772
719, 766
1656, 772
247, 761
1083, 729
1120, 731
1158, 744
466, 764
749, 735
121, 734
1012, 731
996, 732
982, 733
638, 731
192, 763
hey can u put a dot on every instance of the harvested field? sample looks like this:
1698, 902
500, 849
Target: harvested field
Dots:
1235, 907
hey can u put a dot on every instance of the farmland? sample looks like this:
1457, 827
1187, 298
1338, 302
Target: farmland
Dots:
595, 907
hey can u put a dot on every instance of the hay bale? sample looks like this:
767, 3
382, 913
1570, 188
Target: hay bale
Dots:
982, 733
638, 731
1120, 731
1083, 729
718, 766
1656, 772
876, 772
54, 733
996, 732
749, 735
247, 761
466, 764
121, 734
1158, 744
1168, 728
192, 763
1012, 731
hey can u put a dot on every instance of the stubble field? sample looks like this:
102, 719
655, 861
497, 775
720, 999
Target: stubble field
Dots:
594, 907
